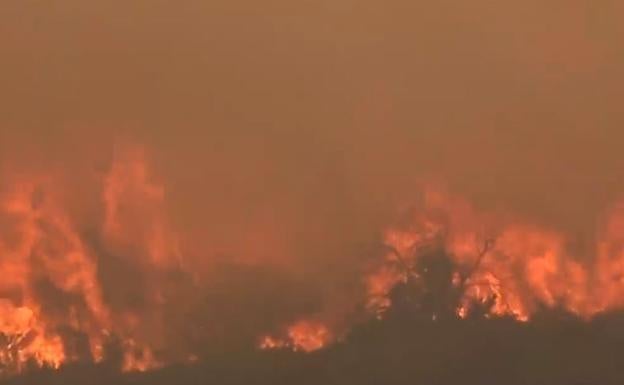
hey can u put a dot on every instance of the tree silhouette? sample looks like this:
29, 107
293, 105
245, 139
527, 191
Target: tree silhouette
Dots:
431, 288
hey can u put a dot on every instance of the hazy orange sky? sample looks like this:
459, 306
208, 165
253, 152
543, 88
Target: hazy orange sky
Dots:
316, 118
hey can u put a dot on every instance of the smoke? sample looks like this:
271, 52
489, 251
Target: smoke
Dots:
280, 140
254, 106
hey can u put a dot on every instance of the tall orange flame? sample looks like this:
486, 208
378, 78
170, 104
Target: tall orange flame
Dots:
44, 259
525, 267
63, 299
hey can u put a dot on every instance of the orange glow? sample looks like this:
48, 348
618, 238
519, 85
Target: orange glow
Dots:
525, 267
305, 336
138, 358
43, 257
55, 284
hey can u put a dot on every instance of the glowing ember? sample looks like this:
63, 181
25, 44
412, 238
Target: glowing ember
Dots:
138, 358
306, 336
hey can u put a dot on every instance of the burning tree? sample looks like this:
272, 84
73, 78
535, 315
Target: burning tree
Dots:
434, 286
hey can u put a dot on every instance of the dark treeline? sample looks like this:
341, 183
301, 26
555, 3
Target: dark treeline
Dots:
552, 350
408, 346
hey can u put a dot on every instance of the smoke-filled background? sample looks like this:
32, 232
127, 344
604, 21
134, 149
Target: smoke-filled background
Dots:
286, 136
320, 113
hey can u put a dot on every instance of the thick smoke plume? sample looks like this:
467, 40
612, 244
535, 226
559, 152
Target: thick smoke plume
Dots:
178, 176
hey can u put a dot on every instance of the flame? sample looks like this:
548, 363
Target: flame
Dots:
305, 335
138, 358
524, 268
54, 285
44, 258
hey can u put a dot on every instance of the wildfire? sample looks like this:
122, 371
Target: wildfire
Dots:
72, 292
517, 267
305, 336
50, 273
138, 358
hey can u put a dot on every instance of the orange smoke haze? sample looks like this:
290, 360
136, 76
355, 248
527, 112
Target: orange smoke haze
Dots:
125, 281
177, 177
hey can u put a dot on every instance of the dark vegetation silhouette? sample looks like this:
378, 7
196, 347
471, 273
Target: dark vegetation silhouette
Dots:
419, 341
